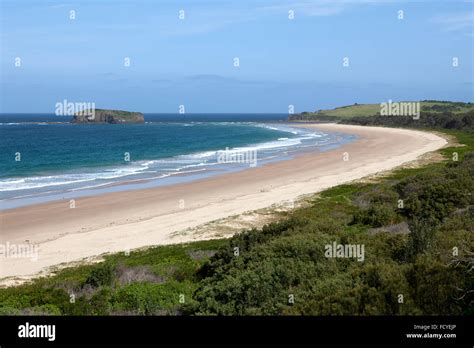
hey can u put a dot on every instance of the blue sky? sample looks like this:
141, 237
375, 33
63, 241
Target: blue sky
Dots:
190, 61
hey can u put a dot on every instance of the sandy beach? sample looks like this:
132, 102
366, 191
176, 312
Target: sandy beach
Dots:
117, 222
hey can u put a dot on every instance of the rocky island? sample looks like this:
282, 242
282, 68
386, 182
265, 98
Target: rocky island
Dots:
108, 116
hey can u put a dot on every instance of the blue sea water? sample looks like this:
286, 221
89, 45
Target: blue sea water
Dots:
42, 161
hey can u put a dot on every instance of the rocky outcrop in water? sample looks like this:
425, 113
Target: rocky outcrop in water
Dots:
108, 116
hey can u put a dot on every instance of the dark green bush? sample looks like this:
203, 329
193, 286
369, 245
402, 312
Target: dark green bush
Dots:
101, 275
377, 215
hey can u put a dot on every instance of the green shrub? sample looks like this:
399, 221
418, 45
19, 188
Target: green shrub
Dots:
101, 275
377, 215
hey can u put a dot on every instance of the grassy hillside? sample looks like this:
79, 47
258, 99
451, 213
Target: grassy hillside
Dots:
349, 111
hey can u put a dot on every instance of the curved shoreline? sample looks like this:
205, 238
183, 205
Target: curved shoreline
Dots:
116, 222
143, 174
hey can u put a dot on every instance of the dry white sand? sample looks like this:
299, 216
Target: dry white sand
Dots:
116, 222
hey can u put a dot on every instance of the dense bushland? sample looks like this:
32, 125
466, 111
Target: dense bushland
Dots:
446, 120
283, 270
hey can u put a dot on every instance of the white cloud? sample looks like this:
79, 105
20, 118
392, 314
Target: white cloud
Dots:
455, 21
214, 18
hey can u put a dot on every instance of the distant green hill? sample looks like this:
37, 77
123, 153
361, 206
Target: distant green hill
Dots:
349, 111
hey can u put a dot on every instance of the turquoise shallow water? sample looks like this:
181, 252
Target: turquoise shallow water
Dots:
41, 161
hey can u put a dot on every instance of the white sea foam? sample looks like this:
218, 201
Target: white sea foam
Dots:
36, 182
165, 167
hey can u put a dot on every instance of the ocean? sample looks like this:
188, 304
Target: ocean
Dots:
43, 157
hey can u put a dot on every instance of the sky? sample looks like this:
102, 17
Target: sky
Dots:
142, 55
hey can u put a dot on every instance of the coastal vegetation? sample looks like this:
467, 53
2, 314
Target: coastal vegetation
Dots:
443, 114
416, 226
445, 120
